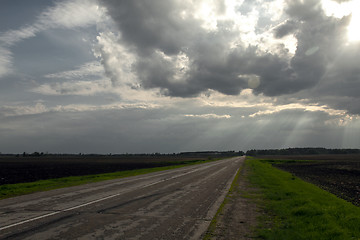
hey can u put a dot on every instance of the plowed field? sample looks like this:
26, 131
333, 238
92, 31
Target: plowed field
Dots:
338, 174
28, 169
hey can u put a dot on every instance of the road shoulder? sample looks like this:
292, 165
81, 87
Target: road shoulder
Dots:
237, 216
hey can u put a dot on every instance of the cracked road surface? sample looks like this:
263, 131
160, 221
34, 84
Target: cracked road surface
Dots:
172, 204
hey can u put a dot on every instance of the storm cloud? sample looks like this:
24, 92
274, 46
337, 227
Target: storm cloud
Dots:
162, 35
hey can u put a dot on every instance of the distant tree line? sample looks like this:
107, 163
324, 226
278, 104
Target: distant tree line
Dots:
301, 151
213, 154
253, 152
182, 154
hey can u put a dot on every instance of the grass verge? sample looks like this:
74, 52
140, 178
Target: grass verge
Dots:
295, 209
12, 190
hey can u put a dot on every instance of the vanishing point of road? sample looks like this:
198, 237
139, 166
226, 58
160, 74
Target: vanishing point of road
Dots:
171, 204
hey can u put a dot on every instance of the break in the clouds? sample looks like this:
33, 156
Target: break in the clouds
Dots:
167, 76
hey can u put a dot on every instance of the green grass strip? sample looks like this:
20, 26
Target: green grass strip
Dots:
12, 190
295, 209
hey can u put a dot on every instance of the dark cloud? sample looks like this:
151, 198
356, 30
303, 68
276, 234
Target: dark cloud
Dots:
340, 86
157, 72
246, 7
158, 26
158, 33
212, 64
285, 29
152, 25
325, 61
304, 10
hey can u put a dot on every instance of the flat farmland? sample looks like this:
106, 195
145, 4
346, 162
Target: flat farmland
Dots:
29, 169
338, 174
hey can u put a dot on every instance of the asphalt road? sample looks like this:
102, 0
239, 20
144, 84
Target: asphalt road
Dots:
172, 204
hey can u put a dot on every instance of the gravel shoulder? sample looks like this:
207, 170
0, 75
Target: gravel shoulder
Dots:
238, 216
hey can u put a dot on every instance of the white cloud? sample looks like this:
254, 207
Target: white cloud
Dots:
337, 9
91, 108
115, 58
5, 61
12, 37
82, 88
64, 14
88, 69
71, 14
274, 8
246, 99
208, 116
22, 109
307, 108
343, 120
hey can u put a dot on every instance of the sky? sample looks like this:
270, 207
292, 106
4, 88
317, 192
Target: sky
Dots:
108, 76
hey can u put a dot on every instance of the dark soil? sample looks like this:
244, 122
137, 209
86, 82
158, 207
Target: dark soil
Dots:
338, 174
28, 169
